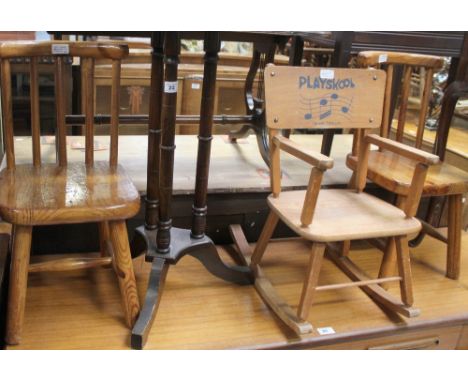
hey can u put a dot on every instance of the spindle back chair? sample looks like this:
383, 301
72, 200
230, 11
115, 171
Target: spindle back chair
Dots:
388, 170
300, 97
88, 52
63, 193
425, 65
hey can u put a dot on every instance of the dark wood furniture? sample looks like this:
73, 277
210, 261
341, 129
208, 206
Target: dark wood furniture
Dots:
264, 46
331, 218
63, 193
393, 173
163, 243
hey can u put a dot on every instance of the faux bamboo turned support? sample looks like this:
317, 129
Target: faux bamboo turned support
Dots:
167, 147
154, 132
199, 208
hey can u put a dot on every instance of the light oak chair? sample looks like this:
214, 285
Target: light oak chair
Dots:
389, 170
63, 193
300, 97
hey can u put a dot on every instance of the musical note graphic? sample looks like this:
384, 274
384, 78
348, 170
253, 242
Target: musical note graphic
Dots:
326, 105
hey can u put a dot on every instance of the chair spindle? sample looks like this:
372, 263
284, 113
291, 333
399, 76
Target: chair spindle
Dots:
115, 104
404, 102
35, 113
61, 132
7, 110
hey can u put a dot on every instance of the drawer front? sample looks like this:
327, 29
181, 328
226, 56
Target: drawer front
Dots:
463, 341
442, 338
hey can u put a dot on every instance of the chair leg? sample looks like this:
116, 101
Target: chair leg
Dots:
404, 269
124, 269
389, 261
103, 238
310, 283
265, 236
21, 249
454, 236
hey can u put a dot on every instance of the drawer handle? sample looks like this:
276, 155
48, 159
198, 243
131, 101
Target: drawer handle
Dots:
421, 344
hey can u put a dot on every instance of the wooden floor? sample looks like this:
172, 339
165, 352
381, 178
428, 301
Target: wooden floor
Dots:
81, 309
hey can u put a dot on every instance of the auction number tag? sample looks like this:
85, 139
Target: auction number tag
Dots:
326, 330
382, 58
170, 86
327, 74
60, 49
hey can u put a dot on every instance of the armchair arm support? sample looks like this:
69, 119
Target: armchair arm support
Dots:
423, 161
319, 162
402, 149
313, 158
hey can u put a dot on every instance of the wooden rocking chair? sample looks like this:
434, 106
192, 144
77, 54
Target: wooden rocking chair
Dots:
63, 193
299, 97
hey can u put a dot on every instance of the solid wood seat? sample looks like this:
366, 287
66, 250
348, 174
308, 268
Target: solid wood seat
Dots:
395, 173
358, 216
55, 195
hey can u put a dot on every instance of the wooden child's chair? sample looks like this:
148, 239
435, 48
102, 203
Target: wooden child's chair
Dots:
300, 97
393, 172
60, 193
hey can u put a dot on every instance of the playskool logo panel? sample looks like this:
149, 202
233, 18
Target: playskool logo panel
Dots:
321, 83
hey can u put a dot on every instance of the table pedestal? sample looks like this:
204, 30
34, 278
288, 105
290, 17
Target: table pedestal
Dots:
163, 244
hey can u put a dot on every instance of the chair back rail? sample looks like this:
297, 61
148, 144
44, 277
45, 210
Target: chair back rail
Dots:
323, 98
388, 60
88, 52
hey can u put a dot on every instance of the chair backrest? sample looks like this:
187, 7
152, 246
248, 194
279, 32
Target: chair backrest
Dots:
59, 50
308, 97
425, 64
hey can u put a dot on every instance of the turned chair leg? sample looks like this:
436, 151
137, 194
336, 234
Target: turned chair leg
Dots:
454, 236
104, 237
265, 236
404, 269
311, 280
21, 249
124, 268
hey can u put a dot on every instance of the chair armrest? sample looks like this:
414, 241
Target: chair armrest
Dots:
402, 149
311, 157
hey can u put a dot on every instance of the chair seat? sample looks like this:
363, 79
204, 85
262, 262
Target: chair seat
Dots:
395, 173
343, 215
73, 194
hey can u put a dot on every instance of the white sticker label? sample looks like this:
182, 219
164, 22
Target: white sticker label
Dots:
382, 58
170, 87
60, 49
195, 86
326, 330
328, 74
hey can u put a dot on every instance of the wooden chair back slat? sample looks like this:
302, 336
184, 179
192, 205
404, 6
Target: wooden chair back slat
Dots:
115, 103
424, 106
404, 103
427, 64
88, 94
7, 111
60, 50
61, 132
35, 112
308, 97
385, 129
